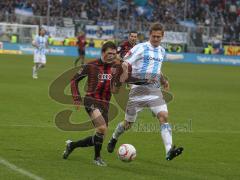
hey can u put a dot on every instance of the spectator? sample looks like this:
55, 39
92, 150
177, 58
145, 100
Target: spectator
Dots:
91, 43
134, 13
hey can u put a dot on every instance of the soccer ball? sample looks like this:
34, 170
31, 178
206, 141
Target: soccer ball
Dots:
126, 152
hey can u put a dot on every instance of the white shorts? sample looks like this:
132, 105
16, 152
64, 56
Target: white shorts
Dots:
140, 98
39, 58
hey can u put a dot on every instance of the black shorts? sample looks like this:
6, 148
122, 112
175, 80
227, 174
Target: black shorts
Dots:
91, 104
81, 52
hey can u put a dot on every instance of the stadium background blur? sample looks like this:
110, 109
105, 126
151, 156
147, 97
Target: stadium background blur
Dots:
210, 26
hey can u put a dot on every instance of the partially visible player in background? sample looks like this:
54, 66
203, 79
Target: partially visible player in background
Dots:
81, 43
41, 44
125, 46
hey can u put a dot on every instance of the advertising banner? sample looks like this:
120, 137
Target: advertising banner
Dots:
93, 53
60, 33
99, 32
232, 50
174, 37
205, 59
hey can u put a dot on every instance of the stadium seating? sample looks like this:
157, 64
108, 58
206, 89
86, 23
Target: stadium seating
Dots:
200, 12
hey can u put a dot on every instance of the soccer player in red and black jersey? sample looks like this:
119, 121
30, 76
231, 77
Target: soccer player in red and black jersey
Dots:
125, 46
81, 43
96, 101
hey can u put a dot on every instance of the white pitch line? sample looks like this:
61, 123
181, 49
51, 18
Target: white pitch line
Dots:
131, 130
19, 170
28, 125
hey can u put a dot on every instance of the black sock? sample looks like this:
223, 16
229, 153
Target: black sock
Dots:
76, 61
88, 141
98, 140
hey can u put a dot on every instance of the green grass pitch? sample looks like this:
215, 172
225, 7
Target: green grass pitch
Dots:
204, 113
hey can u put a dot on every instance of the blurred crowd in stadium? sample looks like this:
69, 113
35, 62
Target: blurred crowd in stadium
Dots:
211, 13
202, 12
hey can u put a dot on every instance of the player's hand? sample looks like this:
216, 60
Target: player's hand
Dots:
115, 87
124, 75
166, 85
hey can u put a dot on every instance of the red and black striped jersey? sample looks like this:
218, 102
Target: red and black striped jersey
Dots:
81, 42
99, 81
124, 47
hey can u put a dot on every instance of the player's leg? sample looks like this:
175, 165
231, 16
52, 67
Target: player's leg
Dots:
36, 59
130, 117
43, 62
78, 58
41, 65
40, 62
71, 145
34, 71
93, 140
120, 129
100, 123
165, 128
76, 61
82, 57
161, 111
100, 126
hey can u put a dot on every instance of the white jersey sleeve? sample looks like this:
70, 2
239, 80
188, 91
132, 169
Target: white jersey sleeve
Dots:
133, 54
34, 42
164, 54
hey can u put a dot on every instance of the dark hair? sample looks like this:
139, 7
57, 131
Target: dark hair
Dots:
156, 27
130, 32
108, 44
41, 28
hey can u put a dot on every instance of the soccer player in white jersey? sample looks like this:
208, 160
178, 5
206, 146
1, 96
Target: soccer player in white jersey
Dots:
41, 44
146, 61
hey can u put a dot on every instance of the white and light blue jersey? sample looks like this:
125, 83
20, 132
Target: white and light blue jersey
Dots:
41, 42
146, 61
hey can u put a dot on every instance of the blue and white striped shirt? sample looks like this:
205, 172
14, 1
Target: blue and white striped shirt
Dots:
41, 42
146, 62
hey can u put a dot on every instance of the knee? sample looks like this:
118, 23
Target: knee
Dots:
162, 117
41, 65
127, 125
102, 129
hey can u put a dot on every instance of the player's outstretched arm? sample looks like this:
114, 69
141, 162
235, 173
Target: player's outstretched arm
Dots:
124, 75
34, 44
74, 86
